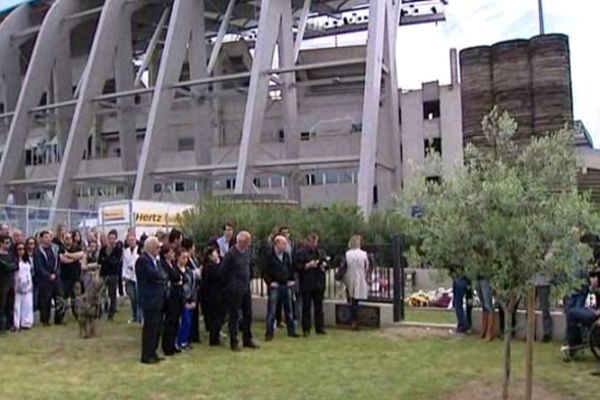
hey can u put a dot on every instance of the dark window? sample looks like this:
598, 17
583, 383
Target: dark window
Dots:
434, 179
186, 143
28, 157
431, 109
256, 182
305, 136
1, 108
433, 145
158, 188
310, 179
230, 184
356, 128
281, 136
375, 195
43, 100
400, 116
179, 187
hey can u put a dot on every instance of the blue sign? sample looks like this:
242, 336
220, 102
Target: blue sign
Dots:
8, 4
416, 211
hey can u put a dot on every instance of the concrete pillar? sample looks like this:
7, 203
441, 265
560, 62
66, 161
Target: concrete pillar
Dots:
183, 17
114, 17
34, 85
268, 29
371, 104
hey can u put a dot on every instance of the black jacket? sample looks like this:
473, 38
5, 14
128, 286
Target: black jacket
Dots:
276, 270
8, 263
212, 284
175, 282
313, 278
44, 265
151, 283
110, 263
237, 270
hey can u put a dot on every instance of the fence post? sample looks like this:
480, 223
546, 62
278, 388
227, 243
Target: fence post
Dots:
398, 278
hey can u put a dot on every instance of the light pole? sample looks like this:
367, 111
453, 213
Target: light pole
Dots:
541, 16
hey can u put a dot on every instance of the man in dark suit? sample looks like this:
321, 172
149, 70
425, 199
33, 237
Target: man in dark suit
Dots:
152, 283
237, 273
48, 278
279, 276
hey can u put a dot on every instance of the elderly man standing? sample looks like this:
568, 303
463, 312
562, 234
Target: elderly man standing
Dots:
152, 283
236, 276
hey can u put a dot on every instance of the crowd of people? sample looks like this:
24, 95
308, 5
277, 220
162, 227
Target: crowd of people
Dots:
169, 286
579, 314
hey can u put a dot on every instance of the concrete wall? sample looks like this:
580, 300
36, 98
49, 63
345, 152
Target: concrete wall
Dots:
259, 311
332, 119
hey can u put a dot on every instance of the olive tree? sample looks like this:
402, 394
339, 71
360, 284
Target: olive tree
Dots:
511, 212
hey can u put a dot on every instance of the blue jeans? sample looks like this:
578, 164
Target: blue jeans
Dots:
281, 293
185, 330
136, 310
484, 291
578, 315
459, 290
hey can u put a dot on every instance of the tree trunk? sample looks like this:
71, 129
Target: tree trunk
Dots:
530, 341
508, 310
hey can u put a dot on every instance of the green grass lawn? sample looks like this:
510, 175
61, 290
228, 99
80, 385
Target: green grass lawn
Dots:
53, 363
438, 316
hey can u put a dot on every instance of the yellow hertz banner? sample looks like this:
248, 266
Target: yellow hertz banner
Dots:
115, 214
155, 219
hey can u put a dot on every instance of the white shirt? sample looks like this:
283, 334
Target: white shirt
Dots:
130, 256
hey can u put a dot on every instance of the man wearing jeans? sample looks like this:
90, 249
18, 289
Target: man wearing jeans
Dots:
110, 264
279, 276
460, 287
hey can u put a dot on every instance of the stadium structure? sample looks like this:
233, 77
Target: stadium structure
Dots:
174, 100
178, 99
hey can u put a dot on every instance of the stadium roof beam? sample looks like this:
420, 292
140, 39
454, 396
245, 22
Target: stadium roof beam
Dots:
152, 45
187, 18
214, 55
301, 28
41, 64
10, 65
113, 27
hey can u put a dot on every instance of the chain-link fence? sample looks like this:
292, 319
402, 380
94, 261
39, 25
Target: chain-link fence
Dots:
31, 219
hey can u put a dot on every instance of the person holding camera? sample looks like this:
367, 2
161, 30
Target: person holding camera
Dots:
311, 264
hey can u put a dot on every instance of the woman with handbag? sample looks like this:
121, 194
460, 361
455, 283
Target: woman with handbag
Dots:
23, 311
357, 263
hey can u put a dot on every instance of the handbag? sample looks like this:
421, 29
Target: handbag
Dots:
341, 271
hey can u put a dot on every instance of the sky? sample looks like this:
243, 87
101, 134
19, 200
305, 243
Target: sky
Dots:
423, 50
7, 4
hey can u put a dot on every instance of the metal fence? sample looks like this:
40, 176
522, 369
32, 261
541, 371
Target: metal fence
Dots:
385, 276
31, 219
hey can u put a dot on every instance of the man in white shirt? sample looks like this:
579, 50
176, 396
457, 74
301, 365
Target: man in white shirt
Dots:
130, 256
